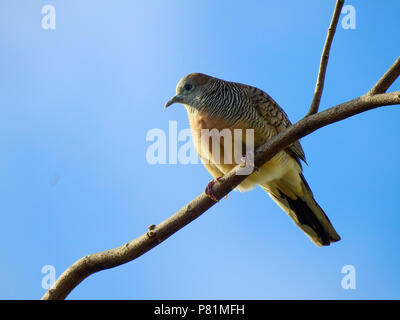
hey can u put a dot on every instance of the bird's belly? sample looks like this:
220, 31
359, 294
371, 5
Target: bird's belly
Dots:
225, 159
273, 170
219, 141
216, 143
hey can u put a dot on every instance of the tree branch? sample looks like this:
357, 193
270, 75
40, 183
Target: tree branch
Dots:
108, 259
319, 86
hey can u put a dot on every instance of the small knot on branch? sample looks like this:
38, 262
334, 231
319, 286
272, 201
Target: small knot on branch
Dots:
151, 233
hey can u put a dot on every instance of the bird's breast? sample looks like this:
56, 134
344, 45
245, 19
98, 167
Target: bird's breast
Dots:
202, 120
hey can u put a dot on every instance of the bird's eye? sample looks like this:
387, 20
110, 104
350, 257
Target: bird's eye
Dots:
188, 87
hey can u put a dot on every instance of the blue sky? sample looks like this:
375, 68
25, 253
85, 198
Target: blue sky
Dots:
78, 101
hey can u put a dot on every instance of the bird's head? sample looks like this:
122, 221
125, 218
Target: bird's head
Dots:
189, 89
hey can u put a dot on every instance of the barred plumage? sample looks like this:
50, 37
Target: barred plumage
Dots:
217, 104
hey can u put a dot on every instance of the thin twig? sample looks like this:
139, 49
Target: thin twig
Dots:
387, 79
319, 86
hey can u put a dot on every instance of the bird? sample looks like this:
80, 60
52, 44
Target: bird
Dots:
215, 104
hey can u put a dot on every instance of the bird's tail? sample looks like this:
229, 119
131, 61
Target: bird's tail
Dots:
305, 212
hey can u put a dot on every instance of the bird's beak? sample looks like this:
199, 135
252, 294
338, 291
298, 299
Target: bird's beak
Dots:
175, 99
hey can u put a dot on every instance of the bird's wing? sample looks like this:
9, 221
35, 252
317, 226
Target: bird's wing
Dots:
275, 117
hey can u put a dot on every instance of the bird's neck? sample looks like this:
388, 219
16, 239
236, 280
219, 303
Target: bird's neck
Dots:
219, 99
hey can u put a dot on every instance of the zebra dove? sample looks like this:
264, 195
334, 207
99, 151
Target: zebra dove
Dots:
213, 103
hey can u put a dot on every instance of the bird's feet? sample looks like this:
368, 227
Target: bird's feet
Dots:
209, 189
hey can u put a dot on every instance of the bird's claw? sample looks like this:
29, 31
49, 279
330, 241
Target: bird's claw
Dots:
209, 189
